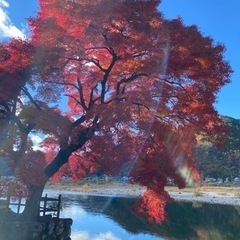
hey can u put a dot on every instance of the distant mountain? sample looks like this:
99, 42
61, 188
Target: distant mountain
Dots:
221, 163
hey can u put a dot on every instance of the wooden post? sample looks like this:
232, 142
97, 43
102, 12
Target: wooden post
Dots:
59, 205
19, 205
8, 200
54, 207
45, 205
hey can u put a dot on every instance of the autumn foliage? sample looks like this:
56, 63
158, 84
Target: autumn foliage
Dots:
133, 89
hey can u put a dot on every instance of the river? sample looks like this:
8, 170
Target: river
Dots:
112, 218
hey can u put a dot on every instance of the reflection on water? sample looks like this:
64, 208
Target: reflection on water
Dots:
99, 218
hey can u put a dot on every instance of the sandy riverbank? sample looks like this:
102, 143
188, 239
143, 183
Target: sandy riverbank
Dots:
217, 195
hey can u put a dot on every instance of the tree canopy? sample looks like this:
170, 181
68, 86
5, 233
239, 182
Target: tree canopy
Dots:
139, 88
221, 163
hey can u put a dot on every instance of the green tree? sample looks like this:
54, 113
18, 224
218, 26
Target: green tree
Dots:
221, 162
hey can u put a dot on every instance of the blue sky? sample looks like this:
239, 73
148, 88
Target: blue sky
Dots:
219, 19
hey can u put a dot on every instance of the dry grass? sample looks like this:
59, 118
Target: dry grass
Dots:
86, 186
220, 190
101, 186
236, 192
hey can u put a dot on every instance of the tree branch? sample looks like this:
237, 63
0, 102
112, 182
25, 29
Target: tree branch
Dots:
78, 121
64, 154
78, 102
63, 83
106, 75
24, 89
128, 80
96, 63
91, 100
80, 87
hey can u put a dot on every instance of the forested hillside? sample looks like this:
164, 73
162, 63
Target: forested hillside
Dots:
221, 163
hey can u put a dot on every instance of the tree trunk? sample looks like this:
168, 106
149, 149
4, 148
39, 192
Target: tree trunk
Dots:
20, 226
31, 211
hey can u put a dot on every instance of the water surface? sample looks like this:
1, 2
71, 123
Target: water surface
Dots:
108, 218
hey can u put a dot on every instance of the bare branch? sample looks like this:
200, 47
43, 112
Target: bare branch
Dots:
91, 101
97, 48
96, 63
178, 85
80, 87
115, 58
78, 121
78, 102
117, 99
128, 80
24, 89
63, 83
87, 60
141, 105
4, 104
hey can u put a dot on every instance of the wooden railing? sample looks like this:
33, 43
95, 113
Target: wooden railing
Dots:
47, 205
50, 205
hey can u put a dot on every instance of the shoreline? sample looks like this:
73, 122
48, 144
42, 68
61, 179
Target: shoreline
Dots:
210, 195
210, 198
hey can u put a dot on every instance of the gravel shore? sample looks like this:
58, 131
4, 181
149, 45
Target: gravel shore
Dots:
130, 190
207, 198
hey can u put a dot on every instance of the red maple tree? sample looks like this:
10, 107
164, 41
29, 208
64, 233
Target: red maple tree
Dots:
139, 89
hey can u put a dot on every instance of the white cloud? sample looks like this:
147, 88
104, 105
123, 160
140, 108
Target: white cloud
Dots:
4, 3
36, 141
106, 236
7, 28
75, 211
84, 235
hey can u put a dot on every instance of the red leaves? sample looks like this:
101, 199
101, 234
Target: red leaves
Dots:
15, 61
14, 188
32, 167
15, 56
152, 205
139, 90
